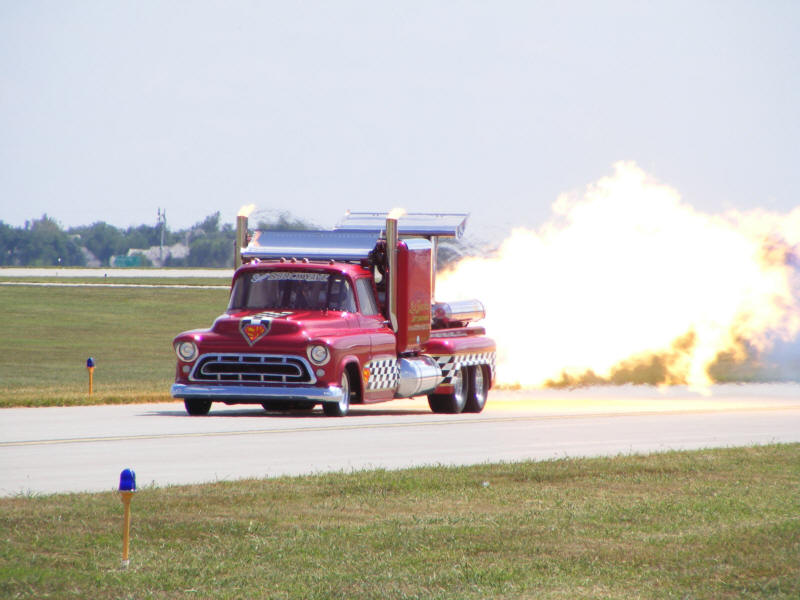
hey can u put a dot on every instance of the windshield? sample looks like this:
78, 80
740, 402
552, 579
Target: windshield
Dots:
292, 290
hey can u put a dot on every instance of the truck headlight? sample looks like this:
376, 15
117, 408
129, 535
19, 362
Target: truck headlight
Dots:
186, 351
318, 354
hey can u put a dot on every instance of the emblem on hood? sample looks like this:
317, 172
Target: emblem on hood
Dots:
256, 327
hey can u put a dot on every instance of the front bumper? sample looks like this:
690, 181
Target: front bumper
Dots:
240, 394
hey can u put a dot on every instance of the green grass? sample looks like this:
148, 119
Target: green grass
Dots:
49, 332
143, 281
711, 524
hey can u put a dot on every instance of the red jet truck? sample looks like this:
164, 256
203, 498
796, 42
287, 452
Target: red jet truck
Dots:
340, 317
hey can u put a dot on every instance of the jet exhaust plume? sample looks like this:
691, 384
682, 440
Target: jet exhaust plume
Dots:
628, 284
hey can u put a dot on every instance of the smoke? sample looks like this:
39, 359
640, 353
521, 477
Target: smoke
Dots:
628, 284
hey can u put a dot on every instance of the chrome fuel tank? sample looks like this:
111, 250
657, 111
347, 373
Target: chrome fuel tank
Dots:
458, 311
418, 375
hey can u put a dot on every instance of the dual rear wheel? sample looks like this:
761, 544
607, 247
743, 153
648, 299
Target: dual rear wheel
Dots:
470, 390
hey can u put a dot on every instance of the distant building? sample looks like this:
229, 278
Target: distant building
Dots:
154, 255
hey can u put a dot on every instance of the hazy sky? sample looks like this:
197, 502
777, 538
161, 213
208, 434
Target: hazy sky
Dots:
110, 110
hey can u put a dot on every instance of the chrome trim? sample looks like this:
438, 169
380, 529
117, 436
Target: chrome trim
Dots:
391, 253
459, 310
311, 358
418, 375
239, 358
241, 240
257, 393
412, 223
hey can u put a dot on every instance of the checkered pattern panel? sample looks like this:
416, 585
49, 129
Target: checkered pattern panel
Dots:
449, 363
383, 374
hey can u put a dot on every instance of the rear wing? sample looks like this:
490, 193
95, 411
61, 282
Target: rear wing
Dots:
450, 225
342, 246
353, 238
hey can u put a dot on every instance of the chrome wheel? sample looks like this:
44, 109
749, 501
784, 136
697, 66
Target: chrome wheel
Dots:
478, 389
342, 407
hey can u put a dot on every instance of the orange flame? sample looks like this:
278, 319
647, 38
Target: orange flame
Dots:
396, 213
246, 210
627, 282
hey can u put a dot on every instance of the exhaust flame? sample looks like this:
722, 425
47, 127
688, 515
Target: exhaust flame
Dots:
246, 210
628, 284
396, 213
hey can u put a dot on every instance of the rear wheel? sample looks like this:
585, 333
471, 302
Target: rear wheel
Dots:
341, 408
454, 402
478, 389
196, 407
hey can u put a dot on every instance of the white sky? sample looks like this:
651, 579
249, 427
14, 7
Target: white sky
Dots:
110, 110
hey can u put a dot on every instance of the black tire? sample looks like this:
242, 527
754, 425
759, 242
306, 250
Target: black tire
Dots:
274, 406
286, 405
197, 408
454, 402
341, 408
303, 406
478, 389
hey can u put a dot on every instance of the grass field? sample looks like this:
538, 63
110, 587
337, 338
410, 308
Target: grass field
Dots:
711, 524
49, 332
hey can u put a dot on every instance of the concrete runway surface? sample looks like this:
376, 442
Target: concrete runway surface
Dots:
48, 450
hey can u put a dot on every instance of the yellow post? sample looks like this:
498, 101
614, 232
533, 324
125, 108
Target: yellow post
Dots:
126, 528
90, 368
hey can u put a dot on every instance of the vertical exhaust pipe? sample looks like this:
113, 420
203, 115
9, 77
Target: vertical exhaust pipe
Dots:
434, 259
241, 240
391, 253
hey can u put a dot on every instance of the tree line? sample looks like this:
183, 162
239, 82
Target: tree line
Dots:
43, 242
208, 243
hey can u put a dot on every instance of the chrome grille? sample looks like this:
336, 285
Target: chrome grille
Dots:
253, 368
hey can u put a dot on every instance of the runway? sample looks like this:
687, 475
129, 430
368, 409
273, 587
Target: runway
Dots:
48, 450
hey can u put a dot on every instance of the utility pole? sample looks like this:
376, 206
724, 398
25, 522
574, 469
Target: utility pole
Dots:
162, 222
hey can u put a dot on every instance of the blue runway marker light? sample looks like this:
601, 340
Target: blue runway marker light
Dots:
127, 481
127, 486
90, 368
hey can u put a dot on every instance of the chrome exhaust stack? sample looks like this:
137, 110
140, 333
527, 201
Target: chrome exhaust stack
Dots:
391, 254
240, 243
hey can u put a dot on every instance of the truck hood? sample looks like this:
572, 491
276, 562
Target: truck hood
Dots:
256, 324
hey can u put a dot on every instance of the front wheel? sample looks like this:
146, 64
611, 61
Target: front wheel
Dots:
197, 408
284, 405
454, 402
341, 408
